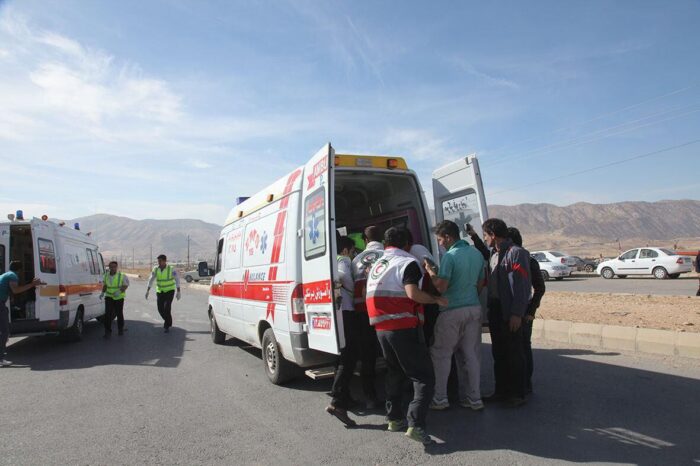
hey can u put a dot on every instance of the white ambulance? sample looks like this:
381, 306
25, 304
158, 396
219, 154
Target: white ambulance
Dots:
276, 257
67, 261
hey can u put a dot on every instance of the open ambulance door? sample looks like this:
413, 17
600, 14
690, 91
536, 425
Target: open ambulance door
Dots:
4, 247
459, 194
50, 295
319, 264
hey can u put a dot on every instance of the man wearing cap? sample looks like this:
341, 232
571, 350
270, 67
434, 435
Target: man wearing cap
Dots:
113, 290
167, 282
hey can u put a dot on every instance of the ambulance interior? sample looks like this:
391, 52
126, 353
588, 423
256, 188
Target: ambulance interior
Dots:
22, 250
381, 199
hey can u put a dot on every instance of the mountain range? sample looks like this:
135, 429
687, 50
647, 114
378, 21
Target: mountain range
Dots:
584, 229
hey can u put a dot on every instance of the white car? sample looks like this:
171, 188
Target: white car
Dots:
551, 269
659, 262
559, 258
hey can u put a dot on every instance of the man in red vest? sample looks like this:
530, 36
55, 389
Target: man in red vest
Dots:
394, 301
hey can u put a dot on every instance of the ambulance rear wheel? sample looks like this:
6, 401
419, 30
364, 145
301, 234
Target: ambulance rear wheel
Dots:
278, 369
75, 332
217, 336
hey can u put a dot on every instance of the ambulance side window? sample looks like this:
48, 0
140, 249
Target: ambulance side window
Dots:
234, 246
101, 263
47, 256
91, 262
315, 224
219, 251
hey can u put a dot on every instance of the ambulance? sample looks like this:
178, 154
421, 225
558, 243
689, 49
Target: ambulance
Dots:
69, 264
276, 266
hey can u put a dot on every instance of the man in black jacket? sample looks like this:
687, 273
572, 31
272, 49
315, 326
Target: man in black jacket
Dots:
538, 291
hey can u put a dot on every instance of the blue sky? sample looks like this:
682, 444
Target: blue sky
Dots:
171, 109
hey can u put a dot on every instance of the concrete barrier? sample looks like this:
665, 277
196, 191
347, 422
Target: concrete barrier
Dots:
614, 337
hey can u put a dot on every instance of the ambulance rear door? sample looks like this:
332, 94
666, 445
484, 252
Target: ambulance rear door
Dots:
46, 255
4, 247
459, 194
318, 254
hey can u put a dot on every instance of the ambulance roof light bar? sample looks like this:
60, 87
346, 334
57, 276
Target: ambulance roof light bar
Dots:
19, 215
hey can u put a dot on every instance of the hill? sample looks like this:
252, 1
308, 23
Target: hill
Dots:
122, 237
593, 229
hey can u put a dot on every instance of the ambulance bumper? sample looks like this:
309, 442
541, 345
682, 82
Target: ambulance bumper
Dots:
303, 355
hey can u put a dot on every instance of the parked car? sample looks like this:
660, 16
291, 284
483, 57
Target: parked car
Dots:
560, 258
203, 272
551, 269
585, 265
659, 262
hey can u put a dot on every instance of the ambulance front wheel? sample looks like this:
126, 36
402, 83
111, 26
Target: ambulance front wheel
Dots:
217, 336
278, 369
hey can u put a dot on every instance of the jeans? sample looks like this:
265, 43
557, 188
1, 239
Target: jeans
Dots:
458, 333
368, 351
165, 303
4, 328
114, 308
508, 352
407, 355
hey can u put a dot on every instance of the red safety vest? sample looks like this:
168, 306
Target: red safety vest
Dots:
388, 305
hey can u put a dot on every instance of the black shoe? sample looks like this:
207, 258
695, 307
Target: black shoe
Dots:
167, 330
341, 414
494, 398
515, 402
107, 336
120, 332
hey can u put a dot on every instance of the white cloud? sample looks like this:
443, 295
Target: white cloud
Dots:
200, 164
418, 144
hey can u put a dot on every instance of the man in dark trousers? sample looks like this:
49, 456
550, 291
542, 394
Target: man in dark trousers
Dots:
697, 269
394, 301
538, 289
509, 290
9, 284
114, 292
167, 282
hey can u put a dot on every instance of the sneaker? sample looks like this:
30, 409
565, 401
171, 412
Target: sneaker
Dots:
419, 435
341, 414
396, 426
5, 363
494, 398
474, 405
439, 405
515, 402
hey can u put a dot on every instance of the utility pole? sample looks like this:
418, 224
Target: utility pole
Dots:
133, 258
188, 252
150, 258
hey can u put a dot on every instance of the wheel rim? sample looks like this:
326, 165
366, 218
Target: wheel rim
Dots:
79, 323
607, 273
271, 357
659, 273
212, 325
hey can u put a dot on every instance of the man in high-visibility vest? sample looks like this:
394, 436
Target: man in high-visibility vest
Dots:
394, 301
167, 282
114, 291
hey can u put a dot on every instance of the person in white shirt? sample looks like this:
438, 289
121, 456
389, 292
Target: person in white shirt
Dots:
349, 354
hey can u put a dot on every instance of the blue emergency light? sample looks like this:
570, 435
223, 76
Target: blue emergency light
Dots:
241, 200
76, 226
19, 215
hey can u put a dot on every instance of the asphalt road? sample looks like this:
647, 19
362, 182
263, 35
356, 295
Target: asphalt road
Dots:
155, 398
685, 285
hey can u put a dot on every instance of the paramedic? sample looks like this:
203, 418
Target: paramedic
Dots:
458, 327
9, 283
430, 311
349, 354
167, 281
394, 306
113, 290
369, 346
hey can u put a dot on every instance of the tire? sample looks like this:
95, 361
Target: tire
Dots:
217, 336
188, 279
545, 275
589, 268
674, 275
607, 273
660, 273
75, 332
559, 279
622, 276
278, 369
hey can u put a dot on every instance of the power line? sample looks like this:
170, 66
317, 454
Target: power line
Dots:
604, 115
575, 141
598, 167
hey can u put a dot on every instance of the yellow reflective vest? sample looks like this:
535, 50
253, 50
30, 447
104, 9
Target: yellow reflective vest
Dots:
113, 283
164, 279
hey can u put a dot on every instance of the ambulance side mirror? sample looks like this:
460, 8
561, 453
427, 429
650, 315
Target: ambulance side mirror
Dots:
203, 269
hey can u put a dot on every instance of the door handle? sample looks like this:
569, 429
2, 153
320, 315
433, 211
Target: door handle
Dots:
85, 294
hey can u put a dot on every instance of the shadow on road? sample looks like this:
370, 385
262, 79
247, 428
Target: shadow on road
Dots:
583, 411
143, 344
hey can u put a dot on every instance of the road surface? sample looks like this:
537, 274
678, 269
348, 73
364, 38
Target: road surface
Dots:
685, 285
155, 398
